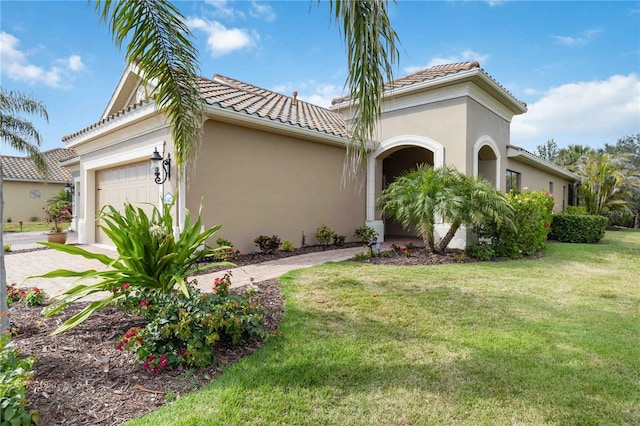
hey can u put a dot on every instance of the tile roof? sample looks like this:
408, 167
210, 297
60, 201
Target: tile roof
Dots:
23, 168
431, 73
231, 94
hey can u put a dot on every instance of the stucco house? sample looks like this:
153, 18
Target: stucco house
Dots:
25, 190
272, 164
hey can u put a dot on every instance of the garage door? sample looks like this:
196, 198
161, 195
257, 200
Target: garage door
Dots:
132, 183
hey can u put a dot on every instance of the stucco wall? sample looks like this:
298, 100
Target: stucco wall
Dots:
538, 180
484, 122
20, 206
258, 183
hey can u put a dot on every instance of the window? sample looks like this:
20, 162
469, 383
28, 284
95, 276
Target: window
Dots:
550, 187
513, 180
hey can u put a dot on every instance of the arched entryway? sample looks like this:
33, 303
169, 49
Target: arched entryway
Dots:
392, 158
486, 160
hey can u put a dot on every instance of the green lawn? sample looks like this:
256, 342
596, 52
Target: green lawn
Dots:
554, 340
14, 226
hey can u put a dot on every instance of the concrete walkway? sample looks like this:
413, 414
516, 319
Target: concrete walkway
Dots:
22, 265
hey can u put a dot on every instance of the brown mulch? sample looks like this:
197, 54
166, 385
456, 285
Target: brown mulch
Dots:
69, 387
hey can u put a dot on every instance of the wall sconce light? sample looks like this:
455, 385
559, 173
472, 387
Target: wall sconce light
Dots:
156, 159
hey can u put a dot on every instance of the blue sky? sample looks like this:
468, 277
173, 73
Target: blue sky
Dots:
576, 64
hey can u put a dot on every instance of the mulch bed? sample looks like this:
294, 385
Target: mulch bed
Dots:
69, 387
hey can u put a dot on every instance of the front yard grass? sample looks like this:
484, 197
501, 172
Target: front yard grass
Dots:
30, 226
554, 340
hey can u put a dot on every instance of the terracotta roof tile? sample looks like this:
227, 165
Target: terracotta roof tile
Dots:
23, 168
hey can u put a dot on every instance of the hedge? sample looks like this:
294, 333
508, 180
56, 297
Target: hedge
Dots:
570, 228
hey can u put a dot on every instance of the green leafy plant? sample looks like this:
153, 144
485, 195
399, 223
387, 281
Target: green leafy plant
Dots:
324, 235
15, 374
578, 228
268, 244
338, 240
288, 246
28, 297
532, 214
366, 234
225, 250
363, 256
149, 258
576, 210
7, 248
183, 329
57, 210
481, 251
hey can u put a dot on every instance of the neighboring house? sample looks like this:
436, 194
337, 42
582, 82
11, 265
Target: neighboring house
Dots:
273, 164
25, 190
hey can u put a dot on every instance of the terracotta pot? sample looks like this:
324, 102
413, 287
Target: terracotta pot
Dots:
56, 237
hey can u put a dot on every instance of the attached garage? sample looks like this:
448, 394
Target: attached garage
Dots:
132, 183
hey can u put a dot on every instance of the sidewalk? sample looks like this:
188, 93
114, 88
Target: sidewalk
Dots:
22, 265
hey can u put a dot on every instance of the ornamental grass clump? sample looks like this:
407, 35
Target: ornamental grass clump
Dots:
57, 210
149, 258
183, 329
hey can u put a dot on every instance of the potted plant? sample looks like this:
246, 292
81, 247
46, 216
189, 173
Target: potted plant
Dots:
57, 210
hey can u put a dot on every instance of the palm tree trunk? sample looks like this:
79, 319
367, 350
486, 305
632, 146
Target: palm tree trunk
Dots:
636, 223
4, 308
448, 237
428, 242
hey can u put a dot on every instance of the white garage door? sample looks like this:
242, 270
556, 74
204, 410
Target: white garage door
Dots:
132, 183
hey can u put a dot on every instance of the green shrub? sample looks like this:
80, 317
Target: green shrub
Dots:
268, 244
366, 234
225, 250
7, 248
338, 240
481, 251
28, 297
578, 228
182, 330
363, 256
149, 257
532, 220
576, 210
324, 235
288, 246
15, 375
625, 219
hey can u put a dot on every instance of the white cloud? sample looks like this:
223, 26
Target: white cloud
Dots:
222, 9
222, 40
583, 39
311, 91
263, 11
464, 56
493, 3
589, 113
17, 66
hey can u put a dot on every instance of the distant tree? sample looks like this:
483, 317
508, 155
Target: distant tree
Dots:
548, 151
21, 135
629, 146
568, 157
607, 183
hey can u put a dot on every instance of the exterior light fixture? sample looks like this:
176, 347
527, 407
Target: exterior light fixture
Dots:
156, 160
69, 188
104, 364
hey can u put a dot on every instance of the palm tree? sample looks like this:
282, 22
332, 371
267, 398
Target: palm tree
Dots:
607, 183
474, 202
417, 196
568, 157
20, 135
160, 44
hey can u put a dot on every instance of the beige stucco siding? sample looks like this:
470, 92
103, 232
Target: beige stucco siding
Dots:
442, 122
538, 180
20, 205
481, 123
259, 183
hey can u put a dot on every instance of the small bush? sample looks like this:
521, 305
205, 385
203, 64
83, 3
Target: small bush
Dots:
532, 220
34, 218
481, 251
338, 240
268, 244
182, 330
576, 210
225, 250
363, 256
16, 373
324, 235
7, 248
626, 219
288, 246
578, 228
366, 234
28, 297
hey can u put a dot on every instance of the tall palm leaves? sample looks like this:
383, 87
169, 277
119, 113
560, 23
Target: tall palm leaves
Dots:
569, 157
607, 183
419, 197
371, 53
20, 135
159, 43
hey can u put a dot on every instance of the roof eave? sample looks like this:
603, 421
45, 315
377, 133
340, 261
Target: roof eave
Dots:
523, 156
